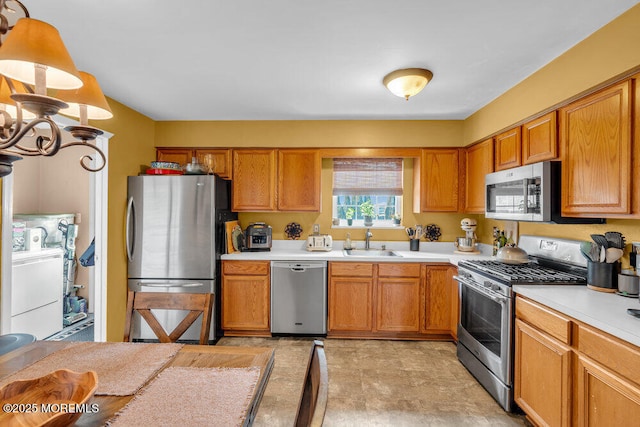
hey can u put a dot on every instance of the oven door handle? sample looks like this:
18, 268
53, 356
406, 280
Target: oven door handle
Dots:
496, 298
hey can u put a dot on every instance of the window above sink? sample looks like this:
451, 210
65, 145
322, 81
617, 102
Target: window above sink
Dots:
367, 187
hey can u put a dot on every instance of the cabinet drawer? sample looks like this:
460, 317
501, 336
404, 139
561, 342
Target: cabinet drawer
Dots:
398, 270
619, 357
250, 268
353, 269
544, 319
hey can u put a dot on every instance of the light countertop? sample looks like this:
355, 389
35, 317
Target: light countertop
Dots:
604, 311
295, 250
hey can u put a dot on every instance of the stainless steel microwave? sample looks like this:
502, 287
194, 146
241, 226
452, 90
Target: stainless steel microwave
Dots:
528, 193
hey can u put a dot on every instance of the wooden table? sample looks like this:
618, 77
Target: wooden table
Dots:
201, 356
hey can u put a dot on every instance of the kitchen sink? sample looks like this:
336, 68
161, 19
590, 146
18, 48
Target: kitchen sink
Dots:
370, 252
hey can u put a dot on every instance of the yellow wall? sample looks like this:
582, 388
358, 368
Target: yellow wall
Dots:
306, 133
130, 150
610, 51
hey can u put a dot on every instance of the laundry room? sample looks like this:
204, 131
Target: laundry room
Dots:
52, 242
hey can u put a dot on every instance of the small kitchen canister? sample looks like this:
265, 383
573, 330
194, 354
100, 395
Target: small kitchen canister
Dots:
628, 285
603, 276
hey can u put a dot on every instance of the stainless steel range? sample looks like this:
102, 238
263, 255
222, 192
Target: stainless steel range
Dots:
485, 331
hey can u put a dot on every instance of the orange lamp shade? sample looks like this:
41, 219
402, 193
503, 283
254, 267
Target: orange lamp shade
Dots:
33, 42
90, 95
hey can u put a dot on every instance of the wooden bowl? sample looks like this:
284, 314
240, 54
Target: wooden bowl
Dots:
60, 389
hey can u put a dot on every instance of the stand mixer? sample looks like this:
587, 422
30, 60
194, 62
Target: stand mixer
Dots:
467, 244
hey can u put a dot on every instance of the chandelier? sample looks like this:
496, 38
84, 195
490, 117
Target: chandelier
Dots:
34, 64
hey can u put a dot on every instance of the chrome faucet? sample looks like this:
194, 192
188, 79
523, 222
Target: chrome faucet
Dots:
367, 238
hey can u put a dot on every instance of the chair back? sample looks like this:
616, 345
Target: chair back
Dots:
313, 401
144, 302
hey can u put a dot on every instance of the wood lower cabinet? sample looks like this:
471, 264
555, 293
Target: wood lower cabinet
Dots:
398, 298
439, 179
439, 296
569, 373
351, 304
350, 297
595, 136
604, 398
508, 146
246, 298
479, 162
387, 300
542, 374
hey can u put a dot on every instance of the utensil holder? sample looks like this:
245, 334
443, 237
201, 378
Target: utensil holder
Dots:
414, 244
603, 276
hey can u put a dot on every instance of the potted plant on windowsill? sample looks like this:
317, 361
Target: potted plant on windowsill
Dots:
367, 211
396, 219
349, 215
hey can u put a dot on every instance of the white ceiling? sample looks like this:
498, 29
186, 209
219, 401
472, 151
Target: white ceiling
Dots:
308, 60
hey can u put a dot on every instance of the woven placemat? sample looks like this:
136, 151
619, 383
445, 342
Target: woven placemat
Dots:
122, 368
192, 397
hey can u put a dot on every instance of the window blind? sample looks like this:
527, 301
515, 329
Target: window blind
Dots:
353, 176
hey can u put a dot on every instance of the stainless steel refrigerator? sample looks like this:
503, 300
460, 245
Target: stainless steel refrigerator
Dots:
174, 239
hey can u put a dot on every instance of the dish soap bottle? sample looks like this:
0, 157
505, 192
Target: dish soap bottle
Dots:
347, 241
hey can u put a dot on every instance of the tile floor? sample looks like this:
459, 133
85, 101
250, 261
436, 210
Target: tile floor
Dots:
379, 383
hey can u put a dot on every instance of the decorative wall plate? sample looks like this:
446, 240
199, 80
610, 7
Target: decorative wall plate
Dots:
293, 230
432, 232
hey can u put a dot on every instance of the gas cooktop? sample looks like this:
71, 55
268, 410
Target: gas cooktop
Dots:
530, 273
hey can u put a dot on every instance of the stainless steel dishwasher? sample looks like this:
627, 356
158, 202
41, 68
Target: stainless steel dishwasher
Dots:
299, 297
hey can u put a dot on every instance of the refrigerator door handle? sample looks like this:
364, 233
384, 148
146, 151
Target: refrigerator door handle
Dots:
127, 233
172, 285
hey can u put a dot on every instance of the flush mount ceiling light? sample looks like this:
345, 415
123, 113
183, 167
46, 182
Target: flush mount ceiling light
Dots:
33, 59
407, 82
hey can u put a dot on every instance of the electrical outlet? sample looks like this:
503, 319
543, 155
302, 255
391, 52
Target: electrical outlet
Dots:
316, 229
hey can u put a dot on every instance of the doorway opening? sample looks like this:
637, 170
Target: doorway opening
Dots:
59, 189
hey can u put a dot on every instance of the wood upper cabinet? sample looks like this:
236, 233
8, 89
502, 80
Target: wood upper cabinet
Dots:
246, 297
542, 376
540, 139
176, 155
299, 186
270, 180
595, 138
398, 298
221, 158
438, 299
508, 146
438, 180
479, 162
254, 180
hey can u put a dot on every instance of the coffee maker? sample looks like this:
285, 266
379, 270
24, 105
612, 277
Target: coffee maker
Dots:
467, 244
